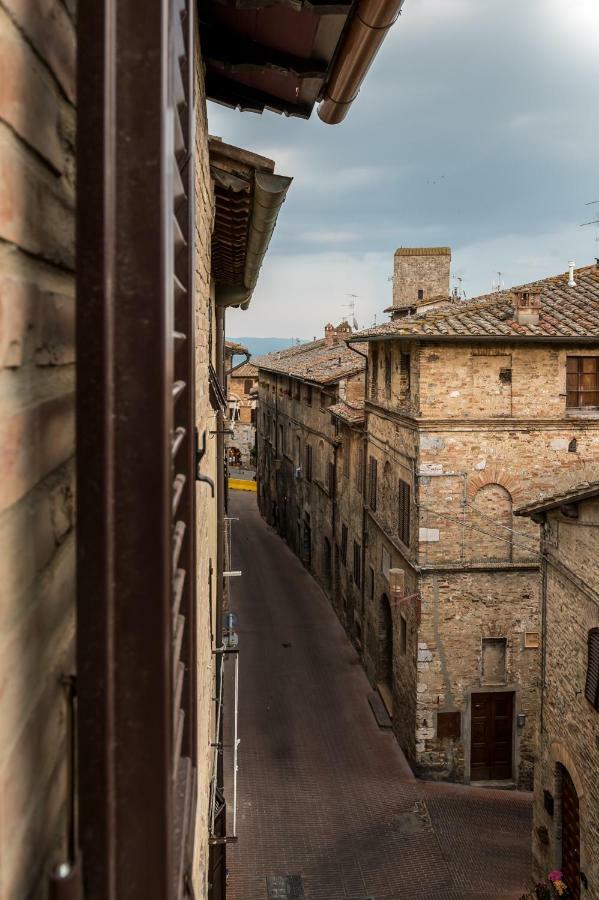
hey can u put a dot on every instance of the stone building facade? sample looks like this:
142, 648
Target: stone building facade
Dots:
242, 397
299, 447
566, 789
468, 413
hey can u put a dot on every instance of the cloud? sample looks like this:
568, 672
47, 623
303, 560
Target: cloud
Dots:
497, 96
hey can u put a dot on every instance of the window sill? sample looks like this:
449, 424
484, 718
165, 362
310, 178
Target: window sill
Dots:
582, 412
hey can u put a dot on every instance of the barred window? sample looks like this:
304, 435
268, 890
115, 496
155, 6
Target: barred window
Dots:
404, 512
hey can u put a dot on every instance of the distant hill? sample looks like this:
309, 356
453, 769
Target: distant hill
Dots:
260, 346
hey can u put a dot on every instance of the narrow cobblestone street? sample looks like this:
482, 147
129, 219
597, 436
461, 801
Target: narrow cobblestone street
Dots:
324, 793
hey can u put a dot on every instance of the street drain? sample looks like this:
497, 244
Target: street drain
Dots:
413, 820
285, 887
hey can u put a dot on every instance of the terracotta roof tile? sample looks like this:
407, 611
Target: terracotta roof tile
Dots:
314, 362
581, 491
565, 312
352, 413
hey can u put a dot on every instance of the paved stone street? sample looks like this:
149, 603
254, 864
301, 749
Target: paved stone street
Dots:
324, 793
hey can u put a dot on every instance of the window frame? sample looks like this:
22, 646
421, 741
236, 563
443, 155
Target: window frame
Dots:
579, 374
357, 567
372, 482
591, 690
404, 512
343, 548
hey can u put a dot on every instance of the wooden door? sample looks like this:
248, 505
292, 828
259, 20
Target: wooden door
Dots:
492, 733
570, 835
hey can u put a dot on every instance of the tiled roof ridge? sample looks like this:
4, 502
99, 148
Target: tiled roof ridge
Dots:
566, 495
423, 251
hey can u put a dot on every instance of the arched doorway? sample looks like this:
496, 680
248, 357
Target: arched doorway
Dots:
570, 827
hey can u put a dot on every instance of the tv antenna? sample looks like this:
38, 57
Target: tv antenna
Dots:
593, 221
458, 290
351, 306
499, 284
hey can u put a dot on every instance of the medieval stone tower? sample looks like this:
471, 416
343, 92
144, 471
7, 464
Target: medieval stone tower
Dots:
420, 273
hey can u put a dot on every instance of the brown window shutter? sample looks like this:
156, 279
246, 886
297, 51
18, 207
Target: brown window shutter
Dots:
372, 482
591, 691
404, 512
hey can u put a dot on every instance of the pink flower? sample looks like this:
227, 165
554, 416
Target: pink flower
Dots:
556, 875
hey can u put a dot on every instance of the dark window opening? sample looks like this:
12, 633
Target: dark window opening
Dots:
420, 294
309, 394
572, 446
346, 455
403, 635
247, 385
308, 462
404, 373
388, 373
374, 371
505, 376
371, 590
582, 382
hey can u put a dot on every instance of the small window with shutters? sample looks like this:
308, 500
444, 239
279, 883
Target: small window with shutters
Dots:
346, 454
591, 691
372, 482
344, 544
357, 562
308, 462
404, 512
582, 382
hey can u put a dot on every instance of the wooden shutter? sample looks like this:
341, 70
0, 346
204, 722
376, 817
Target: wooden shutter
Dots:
404, 512
372, 482
344, 544
591, 691
308, 462
135, 459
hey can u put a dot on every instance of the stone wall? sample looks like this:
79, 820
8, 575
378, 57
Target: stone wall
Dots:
569, 732
420, 270
37, 382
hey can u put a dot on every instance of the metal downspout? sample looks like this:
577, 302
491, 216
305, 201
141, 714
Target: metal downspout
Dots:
220, 516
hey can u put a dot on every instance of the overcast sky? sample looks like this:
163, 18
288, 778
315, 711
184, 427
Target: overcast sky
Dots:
477, 128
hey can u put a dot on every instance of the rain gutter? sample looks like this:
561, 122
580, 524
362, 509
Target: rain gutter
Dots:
364, 35
270, 192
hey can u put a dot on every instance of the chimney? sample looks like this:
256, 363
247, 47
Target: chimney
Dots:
527, 306
334, 336
571, 281
420, 273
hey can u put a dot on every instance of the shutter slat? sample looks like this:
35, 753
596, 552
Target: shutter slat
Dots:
178, 741
178, 584
178, 440
177, 641
178, 388
178, 691
178, 486
183, 819
178, 536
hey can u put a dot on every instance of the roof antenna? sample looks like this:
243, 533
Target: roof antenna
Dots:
351, 306
458, 292
499, 284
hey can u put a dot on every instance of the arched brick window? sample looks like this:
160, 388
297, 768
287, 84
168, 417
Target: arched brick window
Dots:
491, 523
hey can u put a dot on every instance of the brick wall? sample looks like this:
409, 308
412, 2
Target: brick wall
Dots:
569, 733
426, 272
37, 355
205, 338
